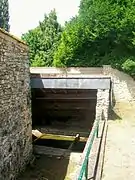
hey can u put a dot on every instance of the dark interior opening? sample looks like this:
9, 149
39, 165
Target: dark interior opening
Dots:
63, 112
77, 147
67, 112
64, 108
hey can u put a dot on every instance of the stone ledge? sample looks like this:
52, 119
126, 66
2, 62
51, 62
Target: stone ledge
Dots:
13, 37
101, 153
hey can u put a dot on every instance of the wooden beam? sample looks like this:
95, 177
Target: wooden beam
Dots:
67, 132
43, 90
61, 137
67, 105
69, 91
68, 108
64, 98
60, 102
55, 92
42, 136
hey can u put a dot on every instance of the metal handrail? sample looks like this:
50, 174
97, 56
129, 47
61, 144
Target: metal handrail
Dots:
84, 168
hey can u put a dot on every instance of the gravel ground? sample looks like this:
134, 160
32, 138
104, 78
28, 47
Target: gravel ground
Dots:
119, 162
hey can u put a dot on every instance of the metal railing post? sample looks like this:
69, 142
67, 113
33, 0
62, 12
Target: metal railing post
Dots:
86, 170
97, 133
83, 173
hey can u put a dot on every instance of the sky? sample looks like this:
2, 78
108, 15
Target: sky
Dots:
25, 14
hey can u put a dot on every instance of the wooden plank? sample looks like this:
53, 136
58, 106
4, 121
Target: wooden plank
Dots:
61, 137
65, 98
65, 91
63, 94
64, 104
40, 135
68, 108
62, 101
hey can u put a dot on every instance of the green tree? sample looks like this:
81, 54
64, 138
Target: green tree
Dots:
103, 33
70, 45
4, 15
43, 40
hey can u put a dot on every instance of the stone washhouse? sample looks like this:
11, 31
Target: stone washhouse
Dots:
26, 96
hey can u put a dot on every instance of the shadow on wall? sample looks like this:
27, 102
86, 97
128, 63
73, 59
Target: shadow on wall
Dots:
123, 90
112, 114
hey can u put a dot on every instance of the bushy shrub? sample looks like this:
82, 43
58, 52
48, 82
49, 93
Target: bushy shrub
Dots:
129, 67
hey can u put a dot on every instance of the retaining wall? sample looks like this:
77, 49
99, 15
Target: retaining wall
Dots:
15, 107
123, 92
123, 84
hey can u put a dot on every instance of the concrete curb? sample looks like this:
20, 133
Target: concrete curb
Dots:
100, 160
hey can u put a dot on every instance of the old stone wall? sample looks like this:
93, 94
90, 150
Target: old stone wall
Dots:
123, 84
102, 105
15, 107
123, 92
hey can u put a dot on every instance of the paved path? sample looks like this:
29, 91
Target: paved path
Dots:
119, 163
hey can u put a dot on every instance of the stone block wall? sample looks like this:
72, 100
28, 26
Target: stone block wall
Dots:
15, 107
123, 92
102, 105
123, 84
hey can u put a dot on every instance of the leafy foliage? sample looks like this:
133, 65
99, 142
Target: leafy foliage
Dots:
43, 40
4, 15
129, 67
70, 44
103, 33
